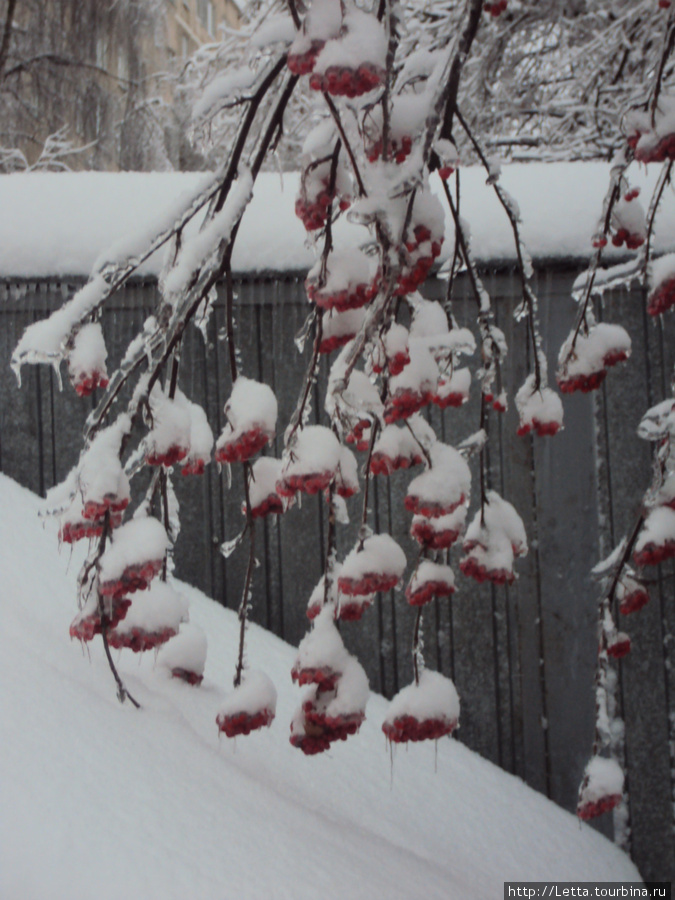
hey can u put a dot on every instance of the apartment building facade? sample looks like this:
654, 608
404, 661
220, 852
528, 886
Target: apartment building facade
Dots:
105, 77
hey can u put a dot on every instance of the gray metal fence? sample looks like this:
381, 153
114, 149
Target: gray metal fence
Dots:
523, 657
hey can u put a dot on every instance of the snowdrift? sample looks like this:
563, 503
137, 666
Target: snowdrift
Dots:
110, 214
101, 800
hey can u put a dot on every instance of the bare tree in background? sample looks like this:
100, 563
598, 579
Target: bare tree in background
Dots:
75, 90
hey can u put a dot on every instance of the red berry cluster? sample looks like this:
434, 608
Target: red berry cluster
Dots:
87, 382
134, 578
618, 645
84, 628
73, 531
370, 583
194, 467
623, 236
139, 640
383, 464
312, 206
234, 724
633, 600
272, 505
168, 457
590, 381
397, 363
474, 568
343, 81
359, 435
97, 510
421, 251
399, 149
433, 509
404, 402
409, 728
351, 609
653, 554
446, 171
426, 592
659, 151
308, 483
498, 401
542, 428
244, 446
583, 383
426, 534
353, 296
334, 342
323, 676
303, 63
321, 730
497, 8
593, 808
451, 398
662, 298
193, 678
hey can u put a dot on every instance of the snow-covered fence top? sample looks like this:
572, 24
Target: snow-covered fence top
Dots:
54, 225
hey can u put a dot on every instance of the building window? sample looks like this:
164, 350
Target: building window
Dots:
210, 18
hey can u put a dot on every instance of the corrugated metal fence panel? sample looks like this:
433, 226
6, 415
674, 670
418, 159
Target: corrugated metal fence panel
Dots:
523, 657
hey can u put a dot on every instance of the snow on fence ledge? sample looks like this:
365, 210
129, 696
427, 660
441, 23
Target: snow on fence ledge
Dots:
62, 224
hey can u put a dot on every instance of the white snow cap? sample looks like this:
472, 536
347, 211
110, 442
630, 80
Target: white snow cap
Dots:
658, 529
500, 518
352, 691
358, 399
455, 388
380, 554
605, 779
444, 486
46, 340
170, 425
322, 647
134, 543
255, 694
421, 373
453, 522
435, 697
427, 572
323, 21
662, 270
265, 474
629, 216
344, 270
430, 320
100, 477
186, 651
314, 449
593, 351
362, 41
201, 435
540, 409
658, 422
252, 404
88, 353
316, 598
158, 608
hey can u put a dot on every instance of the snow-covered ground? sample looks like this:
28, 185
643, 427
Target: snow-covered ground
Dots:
113, 213
101, 800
